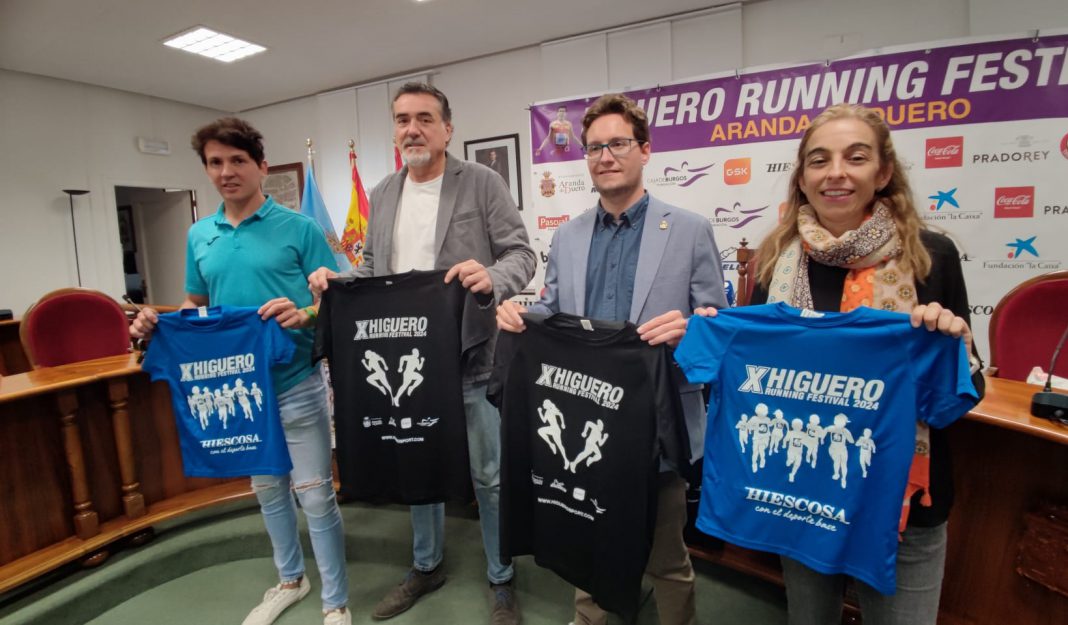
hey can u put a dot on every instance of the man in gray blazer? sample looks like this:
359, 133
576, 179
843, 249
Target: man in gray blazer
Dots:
633, 257
442, 213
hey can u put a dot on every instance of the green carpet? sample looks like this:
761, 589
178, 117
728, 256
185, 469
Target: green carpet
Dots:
214, 570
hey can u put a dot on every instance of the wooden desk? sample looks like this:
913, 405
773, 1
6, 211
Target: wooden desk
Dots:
78, 473
1006, 463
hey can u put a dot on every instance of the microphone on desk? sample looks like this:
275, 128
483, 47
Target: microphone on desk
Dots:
1047, 404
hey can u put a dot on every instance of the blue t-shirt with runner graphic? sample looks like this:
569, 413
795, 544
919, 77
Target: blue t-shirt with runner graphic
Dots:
217, 362
812, 428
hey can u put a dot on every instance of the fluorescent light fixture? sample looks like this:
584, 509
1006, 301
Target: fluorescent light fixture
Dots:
214, 45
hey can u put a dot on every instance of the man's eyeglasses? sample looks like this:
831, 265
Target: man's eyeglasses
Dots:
618, 147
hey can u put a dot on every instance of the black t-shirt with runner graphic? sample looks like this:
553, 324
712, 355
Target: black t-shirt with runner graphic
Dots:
580, 404
395, 347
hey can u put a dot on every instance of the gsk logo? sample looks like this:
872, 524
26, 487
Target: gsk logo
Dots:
737, 171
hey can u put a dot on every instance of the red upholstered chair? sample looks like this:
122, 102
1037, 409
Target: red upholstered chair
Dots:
1026, 325
71, 325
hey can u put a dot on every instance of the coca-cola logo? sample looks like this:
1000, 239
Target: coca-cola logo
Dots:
948, 150
945, 152
549, 223
1013, 202
1018, 200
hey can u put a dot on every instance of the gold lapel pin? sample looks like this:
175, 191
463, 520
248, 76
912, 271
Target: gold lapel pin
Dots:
663, 224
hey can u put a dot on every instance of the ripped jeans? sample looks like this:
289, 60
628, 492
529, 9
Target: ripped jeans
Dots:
306, 422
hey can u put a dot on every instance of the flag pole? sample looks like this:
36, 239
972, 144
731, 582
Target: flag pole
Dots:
311, 155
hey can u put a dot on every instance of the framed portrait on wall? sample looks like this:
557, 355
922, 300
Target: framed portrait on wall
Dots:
285, 183
501, 154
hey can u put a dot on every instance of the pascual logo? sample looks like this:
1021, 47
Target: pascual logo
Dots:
551, 223
737, 170
735, 216
1064, 146
945, 152
682, 176
1010, 202
390, 328
779, 168
948, 199
1030, 156
1023, 254
547, 184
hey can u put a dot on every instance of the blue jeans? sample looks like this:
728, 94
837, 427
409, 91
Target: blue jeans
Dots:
306, 422
484, 449
816, 599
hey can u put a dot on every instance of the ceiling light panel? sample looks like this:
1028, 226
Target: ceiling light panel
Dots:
212, 44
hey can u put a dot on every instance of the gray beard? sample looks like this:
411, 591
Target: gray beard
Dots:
417, 160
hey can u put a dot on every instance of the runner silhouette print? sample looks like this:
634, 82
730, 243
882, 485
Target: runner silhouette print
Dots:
552, 433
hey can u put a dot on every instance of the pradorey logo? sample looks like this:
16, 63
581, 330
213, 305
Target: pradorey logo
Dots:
217, 367
580, 384
816, 387
390, 328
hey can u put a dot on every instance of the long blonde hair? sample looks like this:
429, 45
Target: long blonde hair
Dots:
896, 195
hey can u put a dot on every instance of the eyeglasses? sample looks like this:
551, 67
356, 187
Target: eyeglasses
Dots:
618, 147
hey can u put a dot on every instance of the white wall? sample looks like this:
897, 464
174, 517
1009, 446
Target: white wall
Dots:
59, 135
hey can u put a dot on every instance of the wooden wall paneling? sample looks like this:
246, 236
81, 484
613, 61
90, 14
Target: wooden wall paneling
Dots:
31, 452
1000, 476
101, 457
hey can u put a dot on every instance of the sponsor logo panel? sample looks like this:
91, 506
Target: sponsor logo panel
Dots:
737, 171
1014, 202
945, 152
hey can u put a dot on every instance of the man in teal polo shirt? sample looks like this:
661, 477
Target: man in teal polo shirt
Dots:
254, 252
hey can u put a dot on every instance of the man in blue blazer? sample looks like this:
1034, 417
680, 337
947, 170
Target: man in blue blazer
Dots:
633, 257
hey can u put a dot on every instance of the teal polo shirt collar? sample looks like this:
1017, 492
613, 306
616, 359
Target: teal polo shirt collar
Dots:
268, 205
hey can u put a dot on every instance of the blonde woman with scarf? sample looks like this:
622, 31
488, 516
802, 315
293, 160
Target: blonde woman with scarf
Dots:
851, 236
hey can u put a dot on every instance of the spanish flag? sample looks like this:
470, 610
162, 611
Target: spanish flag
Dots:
355, 234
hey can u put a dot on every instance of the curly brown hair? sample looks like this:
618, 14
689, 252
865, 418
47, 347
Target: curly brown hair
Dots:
231, 131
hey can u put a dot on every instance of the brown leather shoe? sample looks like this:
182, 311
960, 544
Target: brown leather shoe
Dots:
505, 609
403, 596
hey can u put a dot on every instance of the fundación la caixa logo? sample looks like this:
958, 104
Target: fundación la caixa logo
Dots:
1024, 253
945, 152
942, 204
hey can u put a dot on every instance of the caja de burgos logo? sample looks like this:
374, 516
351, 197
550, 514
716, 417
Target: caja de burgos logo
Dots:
945, 152
1010, 202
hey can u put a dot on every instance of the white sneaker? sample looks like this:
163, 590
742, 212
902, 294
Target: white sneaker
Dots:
334, 617
275, 601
